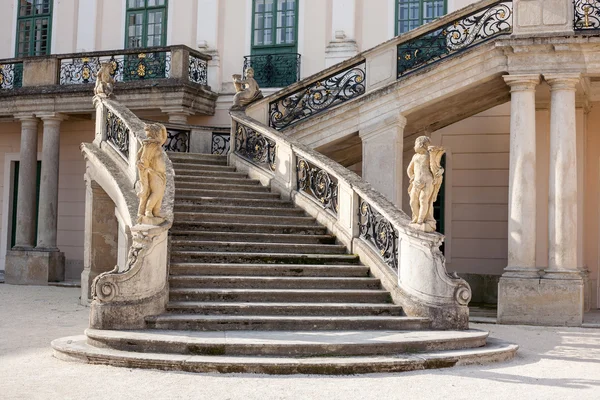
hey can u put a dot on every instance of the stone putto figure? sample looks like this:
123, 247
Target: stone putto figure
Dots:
426, 175
104, 80
247, 90
152, 175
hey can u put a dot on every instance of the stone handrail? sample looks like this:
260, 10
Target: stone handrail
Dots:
408, 261
137, 286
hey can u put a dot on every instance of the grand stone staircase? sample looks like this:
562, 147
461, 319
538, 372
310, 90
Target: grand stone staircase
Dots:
256, 285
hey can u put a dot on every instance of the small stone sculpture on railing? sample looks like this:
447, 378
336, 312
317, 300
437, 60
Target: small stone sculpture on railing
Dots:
104, 80
152, 175
426, 174
247, 90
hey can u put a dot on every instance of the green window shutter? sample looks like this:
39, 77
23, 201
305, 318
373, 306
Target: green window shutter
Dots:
34, 28
146, 23
274, 26
411, 14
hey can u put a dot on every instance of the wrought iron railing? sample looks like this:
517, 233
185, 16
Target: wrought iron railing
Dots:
255, 147
330, 91
459, 35
117, 134
178, 140
378, 232
220, 143
11, 75
198, 70
586, 15
274, 70
318, 184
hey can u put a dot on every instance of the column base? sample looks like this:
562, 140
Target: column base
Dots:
34, 267
540, 301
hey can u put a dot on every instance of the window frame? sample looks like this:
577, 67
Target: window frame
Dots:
421, 7
145, 9
260, 49
33, 18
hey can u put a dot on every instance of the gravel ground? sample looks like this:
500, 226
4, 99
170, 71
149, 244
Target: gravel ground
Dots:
552, 363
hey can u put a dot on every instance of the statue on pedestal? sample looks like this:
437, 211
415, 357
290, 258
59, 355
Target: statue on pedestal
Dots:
426, 174
247, 90
152, 175
104, 80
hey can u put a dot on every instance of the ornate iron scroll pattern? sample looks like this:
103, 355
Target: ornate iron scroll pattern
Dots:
319, 184
254, 147
274, 70
178, 140
11, 75
586, 15
220, 143
117, 133
471, 30
198, 70
318, 97
379, 232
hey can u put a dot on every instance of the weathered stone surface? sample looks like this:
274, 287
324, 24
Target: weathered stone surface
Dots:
33, 267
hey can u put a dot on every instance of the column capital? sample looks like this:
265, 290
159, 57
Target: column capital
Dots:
27, 120
563, 81
47, 117
521, 83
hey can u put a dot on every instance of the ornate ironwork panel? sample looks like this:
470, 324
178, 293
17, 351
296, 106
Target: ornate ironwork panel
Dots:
471, 30
318, 184
117, 133
255, 147
220, 143
198, 70
147, 66
586, 15
75, 71
274, 70
379, 232
178, 140
11, 75
318, 97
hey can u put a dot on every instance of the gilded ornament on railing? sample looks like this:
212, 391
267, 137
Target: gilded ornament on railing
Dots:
152, 176
198, 70
426, 175
117, 133
318, 96
84, 70
586, 15
471, 30
318, 184
255, 147
104, 80
379, 232
11, 75
247, 90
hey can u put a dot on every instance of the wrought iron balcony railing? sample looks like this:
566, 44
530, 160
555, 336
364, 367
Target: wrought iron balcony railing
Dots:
11, 75
586, 15
274, 70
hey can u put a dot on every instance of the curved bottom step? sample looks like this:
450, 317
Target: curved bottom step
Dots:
76, 348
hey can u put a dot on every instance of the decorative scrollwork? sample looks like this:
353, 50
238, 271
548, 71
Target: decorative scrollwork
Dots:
178, 140
586, 15
117, 133
274, 70
75, 71
255, 147
319, 184
102, 289
147, 66
475, 28
220, 143
462, 295
379, 232
317, 97
11, 75
198, 70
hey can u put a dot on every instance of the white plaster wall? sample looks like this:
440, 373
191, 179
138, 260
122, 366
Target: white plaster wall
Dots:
8, 28
64, 26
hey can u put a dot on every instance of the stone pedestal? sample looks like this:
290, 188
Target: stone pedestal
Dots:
343, 44
32, 267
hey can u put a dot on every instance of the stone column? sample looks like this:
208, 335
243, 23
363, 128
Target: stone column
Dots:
343, 44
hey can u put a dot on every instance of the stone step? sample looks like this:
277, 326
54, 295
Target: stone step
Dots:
264, 282
249, 228
179, 179
184, 168
281, 295
233, 201
250, 237
197, 322
230, 187
193, 157
235, 194
255, 247
76, 348
197, 163
307, 309
268, 270
242, 218
291, 344
180, 173
261, 258
239, 210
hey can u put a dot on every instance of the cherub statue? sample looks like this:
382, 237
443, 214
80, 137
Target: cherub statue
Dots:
426, 175
104, 80
247, 90
152, 174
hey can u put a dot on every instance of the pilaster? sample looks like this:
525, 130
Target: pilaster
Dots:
343, 44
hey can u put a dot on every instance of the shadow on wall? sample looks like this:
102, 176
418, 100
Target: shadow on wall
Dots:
484, 288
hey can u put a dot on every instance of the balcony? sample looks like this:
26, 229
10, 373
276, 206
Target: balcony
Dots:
165, 78
274, 70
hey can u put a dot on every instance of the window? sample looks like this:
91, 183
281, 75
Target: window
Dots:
414, 13
34, 21
146, 23
275, 25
